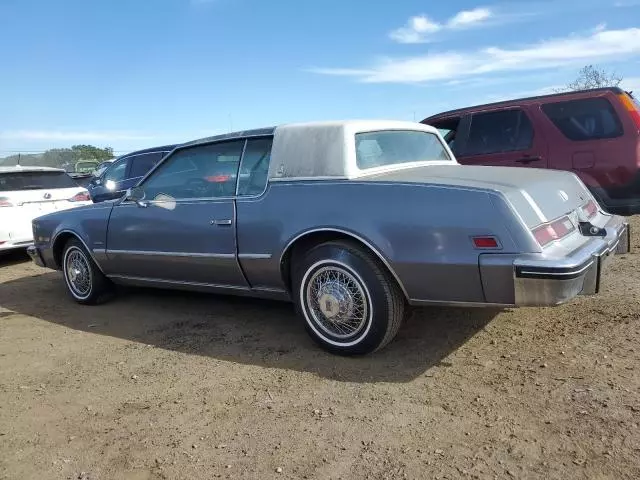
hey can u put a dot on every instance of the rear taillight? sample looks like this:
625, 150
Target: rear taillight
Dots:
590, 209
80, 197
550, 232
631, 107
4, 202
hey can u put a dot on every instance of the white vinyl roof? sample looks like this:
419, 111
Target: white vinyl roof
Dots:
326, 150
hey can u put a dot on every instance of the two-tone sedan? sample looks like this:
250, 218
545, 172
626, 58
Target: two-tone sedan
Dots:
350, 220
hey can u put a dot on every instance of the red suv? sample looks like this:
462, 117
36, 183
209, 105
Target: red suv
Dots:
594, 133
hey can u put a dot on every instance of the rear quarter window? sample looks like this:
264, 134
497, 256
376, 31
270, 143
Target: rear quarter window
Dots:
15, 181
585, 119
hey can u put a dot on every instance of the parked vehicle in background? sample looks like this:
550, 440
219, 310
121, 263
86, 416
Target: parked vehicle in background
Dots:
82, 170
351, 220
102, 166
594, 133
28, 192
86, 166
124, 172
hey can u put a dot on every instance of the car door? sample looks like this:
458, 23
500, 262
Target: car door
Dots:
504, 137
110, 185
184, 229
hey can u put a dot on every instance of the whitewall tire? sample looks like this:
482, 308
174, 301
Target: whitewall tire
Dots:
349, 302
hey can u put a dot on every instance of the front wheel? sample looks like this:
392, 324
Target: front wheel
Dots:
350, 303
84, 280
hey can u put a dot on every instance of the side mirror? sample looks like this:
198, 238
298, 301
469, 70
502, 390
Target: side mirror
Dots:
136, 195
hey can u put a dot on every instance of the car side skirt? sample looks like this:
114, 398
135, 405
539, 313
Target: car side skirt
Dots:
258, 292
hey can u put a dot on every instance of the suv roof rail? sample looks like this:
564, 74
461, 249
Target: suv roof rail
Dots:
616, 90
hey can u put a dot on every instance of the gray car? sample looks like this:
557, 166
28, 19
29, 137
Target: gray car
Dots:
350, 220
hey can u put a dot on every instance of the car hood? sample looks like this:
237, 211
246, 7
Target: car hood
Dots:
72, 211
538, 195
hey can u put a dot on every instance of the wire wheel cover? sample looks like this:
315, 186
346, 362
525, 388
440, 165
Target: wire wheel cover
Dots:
78, 273
337, 302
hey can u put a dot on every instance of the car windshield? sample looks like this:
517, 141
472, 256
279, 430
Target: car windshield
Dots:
13, 181
390, 147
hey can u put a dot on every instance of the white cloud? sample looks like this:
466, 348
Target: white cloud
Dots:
79, 136
415, 30
443, 66
467, 18
420, 27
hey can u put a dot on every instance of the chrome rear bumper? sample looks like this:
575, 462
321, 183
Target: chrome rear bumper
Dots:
547, 282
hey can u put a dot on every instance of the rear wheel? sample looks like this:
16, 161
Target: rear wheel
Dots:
350, 304
85, 282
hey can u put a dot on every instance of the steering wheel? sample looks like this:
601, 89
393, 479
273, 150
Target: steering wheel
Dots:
199, 187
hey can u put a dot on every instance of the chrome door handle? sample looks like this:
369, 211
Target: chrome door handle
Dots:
221, 222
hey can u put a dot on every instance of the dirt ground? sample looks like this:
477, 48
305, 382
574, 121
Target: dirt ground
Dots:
157, 385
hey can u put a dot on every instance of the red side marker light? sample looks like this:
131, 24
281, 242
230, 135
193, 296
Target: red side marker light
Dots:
485, 242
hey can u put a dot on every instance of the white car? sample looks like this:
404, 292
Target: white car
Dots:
27, 193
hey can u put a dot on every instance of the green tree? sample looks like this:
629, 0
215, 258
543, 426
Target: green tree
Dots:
60, 157
89, 152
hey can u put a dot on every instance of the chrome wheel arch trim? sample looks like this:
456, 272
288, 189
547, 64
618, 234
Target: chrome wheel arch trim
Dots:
84, 244
356, 237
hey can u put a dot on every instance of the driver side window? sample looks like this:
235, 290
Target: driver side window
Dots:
204, 171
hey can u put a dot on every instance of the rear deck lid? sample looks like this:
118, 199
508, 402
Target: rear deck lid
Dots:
537, 195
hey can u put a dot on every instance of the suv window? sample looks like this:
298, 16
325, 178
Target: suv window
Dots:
254, 168
35, 181
448, 128
116, 172
585, 119
499, 132
205, 171
390, 147
141, 164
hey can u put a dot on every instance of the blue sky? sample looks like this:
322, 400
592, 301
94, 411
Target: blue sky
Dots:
137, 73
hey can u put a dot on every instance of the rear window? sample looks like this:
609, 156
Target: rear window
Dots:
390, 147
35, 181
586, 119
